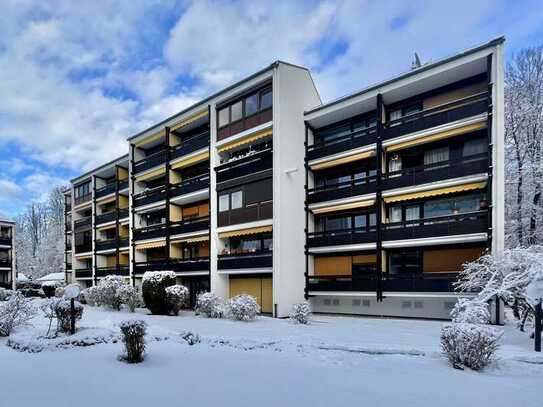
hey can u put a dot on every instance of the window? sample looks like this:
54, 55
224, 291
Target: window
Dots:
395, 164
247, 106
251, 105
412, 212
338, 223
224, 203
82, 190
224, 117
436, 155
474, 147
395, 214
395, 114
454, 205
409, 262
266, 99
237, 199
236, 111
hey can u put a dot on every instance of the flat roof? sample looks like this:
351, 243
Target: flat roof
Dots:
491, 43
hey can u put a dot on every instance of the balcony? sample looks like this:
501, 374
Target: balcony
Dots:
150, 161
341, 237
68, 246
189, 225
245, 166
82, 199
258, 211
252, 260
106, 244
190, 145
176, 265
150, 232
105, 190
261, 117
476, 164
5, 240
5, 263
340, 190
123, 241
83, 247
68, 226
106, 217
466, 223
190, 185
337, 145
123, 184
112, 271
150, 196
426, 119
83, 223
83, 273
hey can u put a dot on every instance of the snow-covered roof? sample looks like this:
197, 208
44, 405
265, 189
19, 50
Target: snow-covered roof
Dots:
22, 278
52, 277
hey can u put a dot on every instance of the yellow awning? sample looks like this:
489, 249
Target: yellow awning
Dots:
151, 245
190, 161
107, 199
191, 239
85, 256
343, 160
436, 192
152, 137
250, 138
244, 232
438, 136
152, 174
113, 226
189, 120
352, 205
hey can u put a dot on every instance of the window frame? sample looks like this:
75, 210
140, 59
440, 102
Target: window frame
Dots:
243, 99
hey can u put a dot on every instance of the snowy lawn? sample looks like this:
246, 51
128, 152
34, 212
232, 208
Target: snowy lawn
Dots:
334, 361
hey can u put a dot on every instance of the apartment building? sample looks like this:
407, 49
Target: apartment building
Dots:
365, 205
8, 274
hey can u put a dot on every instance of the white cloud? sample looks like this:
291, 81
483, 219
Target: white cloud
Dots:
9, 190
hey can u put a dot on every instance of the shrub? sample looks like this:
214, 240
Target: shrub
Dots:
4, 294
16, 311
210, 305
190, 337
469, 345
49, 309
59, 292
49, 290
32, 292
63, 314
243, 307
128, 295
470, 312
176, 295
107, 291
154, 290
133, 333
300, 313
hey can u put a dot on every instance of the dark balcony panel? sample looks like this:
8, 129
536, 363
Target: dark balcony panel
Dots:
244, 124
261, 211
150, 196
150, 161
5, 241
426, 119
106, 217
83, 223
245, 166
190, 185
5, 263
68, 246
342, 283
473, 222
437, 172
68, 227
190, 145
156, 265
180, 266
83, 248
112, 271
245, 261
189, 225
348, 142
105, 190
123, 213
82, 199
341, 237
123, 242
106, 244
342, 190
420, 282
123, 184
83, 273
150, 232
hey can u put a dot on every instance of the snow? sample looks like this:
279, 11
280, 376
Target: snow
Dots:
333, 361
21, 278
52, 277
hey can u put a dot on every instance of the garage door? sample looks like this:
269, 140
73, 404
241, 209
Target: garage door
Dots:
258, 287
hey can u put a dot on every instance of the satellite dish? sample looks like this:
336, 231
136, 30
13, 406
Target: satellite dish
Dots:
72, 291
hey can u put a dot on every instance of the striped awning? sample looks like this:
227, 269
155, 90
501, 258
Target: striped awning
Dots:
351, 205
152, 174
244, 232
151, 245
191, 239
343, 160
189, 120
190, 160
246, 140
112, 226
436, 192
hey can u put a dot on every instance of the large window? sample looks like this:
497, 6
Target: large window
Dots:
344, 128
405, 262
362, 222
230, 200
248, 244
245, 107
82, 190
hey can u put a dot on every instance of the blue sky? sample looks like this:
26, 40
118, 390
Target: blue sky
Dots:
78, 78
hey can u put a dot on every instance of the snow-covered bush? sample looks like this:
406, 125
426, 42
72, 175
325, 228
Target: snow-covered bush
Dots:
16, 311
91, 296
48, 290
210, 305
59, 292
469, 345
4, 294
128, 295
470, 312
64, 315
133, 334
243, 307
49, 309
300, 313
190, 337
176, 295
153, 288
107, 288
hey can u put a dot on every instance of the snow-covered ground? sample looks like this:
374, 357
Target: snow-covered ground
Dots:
334, 361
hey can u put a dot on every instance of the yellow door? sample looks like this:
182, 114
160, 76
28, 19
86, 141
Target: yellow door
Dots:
260, 288
267, 298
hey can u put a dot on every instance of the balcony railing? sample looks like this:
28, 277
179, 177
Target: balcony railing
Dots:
190, 145
447, 113
112, 271
123, 184
105, 190
68, 226
249, 260
339, 190
123, 241
106, 244
176, 265
150, 161
245, 166
341, 237
150, 232
190, 185
68, 246
83, 273
5, 263
472, 222
83, 248
82, 223
259, 211
106, 217
5, 240
476, 164
82, 199
350, 141
150, 196
189, 225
